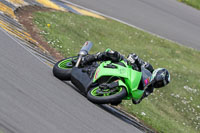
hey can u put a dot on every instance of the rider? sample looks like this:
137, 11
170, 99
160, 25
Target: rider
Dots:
151, 78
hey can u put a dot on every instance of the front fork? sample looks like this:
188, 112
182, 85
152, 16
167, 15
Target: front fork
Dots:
79, 60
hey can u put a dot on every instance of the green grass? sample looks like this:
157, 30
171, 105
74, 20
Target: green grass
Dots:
193, 3
175, 108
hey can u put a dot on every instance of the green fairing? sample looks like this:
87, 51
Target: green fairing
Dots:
131, 77
102, 71
133, 82
137, 94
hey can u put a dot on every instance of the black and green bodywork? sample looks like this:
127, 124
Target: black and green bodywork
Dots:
128, 78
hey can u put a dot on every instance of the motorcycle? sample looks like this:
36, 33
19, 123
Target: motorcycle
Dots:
102, 82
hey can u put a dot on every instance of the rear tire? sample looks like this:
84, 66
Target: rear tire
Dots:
117, 96
61, 70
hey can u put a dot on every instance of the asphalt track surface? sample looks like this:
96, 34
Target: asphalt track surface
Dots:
167, 18
32, 100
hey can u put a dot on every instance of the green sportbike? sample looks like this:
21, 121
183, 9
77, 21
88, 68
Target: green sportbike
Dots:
102, 82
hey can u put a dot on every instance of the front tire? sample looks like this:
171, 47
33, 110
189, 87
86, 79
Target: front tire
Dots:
62, 69
110, 97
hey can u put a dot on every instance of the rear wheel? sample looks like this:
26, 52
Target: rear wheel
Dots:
104, 96
62, 69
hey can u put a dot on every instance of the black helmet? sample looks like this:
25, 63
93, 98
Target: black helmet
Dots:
160, 77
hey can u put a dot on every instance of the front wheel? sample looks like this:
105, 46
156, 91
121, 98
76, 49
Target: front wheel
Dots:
102, 96
62, 69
